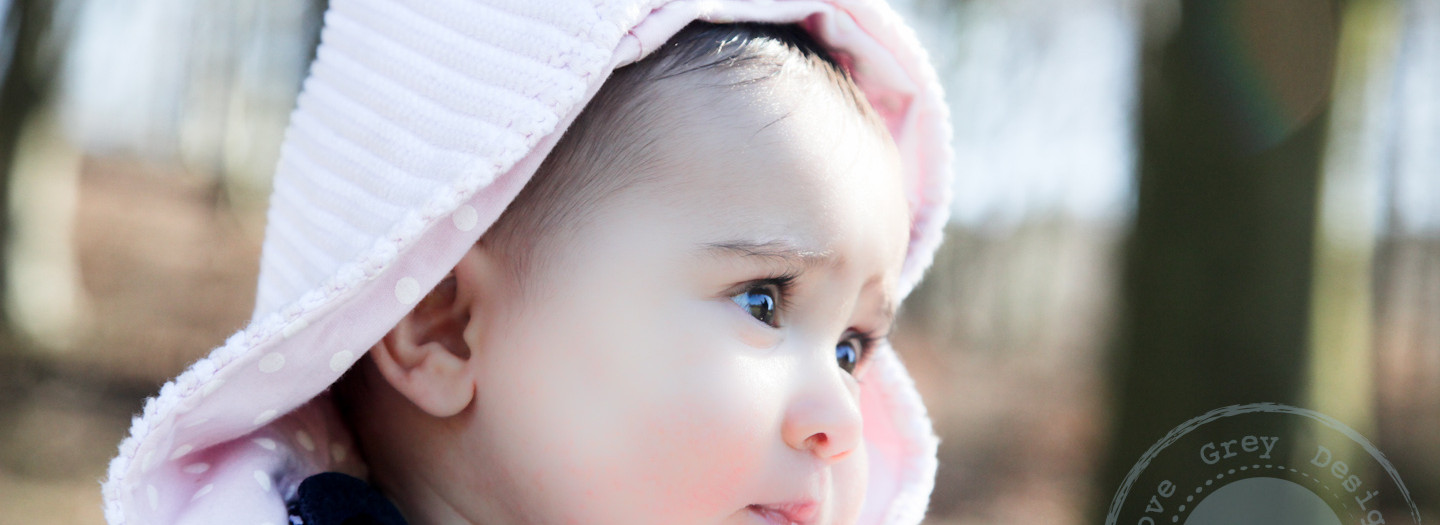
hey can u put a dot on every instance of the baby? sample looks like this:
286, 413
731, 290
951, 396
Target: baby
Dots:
679, 318
671, 317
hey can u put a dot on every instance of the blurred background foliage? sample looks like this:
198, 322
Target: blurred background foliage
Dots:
1162, 207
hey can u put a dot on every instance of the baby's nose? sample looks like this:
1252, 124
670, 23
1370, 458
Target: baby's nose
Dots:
824, 419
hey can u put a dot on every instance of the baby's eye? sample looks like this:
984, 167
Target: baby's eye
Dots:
760, 301
849, 352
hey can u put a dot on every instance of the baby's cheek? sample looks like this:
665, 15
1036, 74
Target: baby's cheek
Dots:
713, 443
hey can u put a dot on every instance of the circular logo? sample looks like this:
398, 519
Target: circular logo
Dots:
1262, 463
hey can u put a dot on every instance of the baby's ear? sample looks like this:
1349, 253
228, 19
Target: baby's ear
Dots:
426, 357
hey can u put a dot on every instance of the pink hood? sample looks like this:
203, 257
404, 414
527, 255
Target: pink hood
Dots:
420, 121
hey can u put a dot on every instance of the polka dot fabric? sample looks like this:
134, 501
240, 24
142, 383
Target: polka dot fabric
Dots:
418, 125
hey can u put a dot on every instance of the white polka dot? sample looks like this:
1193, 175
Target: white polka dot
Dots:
294, 328
338, 452
147, 462
465, 218
203, 491
196, 468
210, 387
265, 417
154, 496
272, 362
195, 422
263, 479
265, 443
407, 290
341, 360
304, 440
180, 452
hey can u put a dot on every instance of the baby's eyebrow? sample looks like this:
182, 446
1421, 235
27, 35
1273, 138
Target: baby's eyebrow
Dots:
778, 250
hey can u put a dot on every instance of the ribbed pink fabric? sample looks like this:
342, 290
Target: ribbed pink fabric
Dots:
420, 121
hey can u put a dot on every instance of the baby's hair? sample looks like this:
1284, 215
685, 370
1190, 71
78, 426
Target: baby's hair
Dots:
609, 147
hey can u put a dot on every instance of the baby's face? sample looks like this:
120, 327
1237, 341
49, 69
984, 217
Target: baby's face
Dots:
658, 372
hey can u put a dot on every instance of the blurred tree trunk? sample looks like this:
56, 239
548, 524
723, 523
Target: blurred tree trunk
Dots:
26, 81
1234, 110
1341, 334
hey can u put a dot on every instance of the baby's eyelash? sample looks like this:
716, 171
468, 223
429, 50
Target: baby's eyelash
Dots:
868, 340
784, 284
784, 281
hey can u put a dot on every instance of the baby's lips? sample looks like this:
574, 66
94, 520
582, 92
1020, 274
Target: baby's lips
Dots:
795, 512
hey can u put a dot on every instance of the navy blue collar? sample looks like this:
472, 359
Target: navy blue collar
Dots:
332, 498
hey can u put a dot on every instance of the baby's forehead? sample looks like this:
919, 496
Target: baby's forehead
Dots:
769, 165
707, 143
